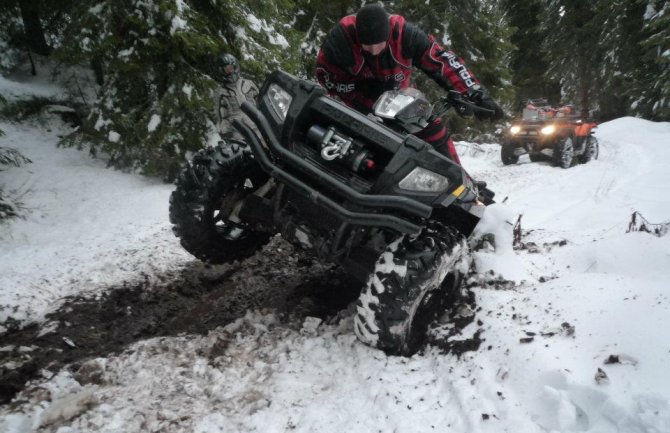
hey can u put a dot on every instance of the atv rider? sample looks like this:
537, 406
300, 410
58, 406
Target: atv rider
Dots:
371, 52
229, 97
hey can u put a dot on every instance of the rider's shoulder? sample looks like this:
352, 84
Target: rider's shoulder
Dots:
337, 46
247, 85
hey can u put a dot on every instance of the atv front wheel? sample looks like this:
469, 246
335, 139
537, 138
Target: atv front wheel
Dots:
564, 153
207, 191
407, 289
591, 150
508, 156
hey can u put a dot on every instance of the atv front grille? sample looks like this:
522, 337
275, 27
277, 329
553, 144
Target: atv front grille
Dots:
333, 168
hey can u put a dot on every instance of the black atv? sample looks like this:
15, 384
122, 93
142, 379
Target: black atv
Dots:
551, 134
355, 190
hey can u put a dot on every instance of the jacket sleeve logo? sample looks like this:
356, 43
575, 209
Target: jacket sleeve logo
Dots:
459, 68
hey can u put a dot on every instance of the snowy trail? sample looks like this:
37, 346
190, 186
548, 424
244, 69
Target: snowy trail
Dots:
600, 283
73, 214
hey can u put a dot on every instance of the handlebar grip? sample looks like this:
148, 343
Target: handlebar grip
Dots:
483, 110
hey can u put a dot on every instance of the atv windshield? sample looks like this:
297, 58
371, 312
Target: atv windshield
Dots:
536, 114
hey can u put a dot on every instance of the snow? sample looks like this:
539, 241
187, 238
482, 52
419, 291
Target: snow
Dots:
40, 87
587, 291
113, 137
126, 53
188, 90
178, 22
95, 10
84, 224
154, 122
254, 23
101, 122
257, 25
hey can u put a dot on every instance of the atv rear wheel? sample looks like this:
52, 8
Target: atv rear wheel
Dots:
591, 150
564, 153
207, 191
507, 155
407, 288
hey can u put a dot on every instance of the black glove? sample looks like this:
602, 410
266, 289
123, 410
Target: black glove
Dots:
481, 98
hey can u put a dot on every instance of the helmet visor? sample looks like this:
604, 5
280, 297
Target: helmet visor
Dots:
230, 73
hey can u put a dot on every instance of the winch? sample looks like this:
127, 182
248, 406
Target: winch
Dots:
335, 146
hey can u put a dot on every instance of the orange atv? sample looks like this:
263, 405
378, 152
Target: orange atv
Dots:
555, 134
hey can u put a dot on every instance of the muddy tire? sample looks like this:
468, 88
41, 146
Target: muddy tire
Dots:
591, 150
207, 190
507, 155
407, 289
564, 153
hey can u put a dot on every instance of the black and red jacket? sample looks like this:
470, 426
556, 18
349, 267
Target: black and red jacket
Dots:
358, 78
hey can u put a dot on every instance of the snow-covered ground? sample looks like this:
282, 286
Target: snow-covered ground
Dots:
586, 292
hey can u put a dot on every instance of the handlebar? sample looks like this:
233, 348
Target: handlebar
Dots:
462, 106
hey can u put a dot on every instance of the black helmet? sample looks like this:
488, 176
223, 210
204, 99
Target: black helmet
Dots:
229, 75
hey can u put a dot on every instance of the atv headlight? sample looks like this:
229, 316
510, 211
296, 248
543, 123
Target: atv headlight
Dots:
424, 180
390, 103
280, 100
548, 130
514, 129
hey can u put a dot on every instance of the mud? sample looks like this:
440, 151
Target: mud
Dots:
193, 300
196, 299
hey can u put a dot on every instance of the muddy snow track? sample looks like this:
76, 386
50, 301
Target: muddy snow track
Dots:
196, 299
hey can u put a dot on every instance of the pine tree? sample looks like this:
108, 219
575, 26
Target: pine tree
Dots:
528, 64
263, 33
31, 27
653, 89
10, 29
314, 21
152, 98
620, 23
3, 102
8, 157
155, 61
573, 51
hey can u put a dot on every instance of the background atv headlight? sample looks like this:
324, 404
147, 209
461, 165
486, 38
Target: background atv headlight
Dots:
424, 180
515, 129
548, 130
280, 100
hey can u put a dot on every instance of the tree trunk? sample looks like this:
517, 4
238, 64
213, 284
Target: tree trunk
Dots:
35, 40
97, 66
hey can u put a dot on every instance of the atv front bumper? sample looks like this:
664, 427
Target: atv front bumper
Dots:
536, 144
367, 206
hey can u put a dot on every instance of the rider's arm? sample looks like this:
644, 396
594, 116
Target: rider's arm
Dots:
250, 91
443, 66
358, 94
